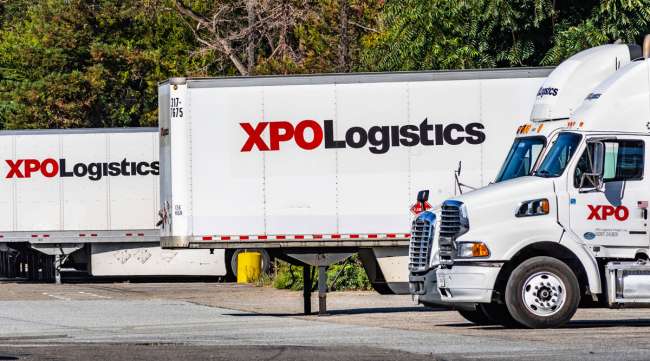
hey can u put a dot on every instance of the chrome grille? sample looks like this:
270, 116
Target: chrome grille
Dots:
422, 231
452, 225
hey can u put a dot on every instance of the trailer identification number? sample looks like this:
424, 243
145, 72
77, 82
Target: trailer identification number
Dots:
175, 108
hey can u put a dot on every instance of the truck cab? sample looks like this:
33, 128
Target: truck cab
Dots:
530, 250
558, 97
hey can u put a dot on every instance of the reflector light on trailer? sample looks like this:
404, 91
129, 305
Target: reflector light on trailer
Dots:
207, 238
129, 234
140, 234
93, 234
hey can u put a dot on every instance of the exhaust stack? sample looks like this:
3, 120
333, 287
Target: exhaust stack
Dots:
646, 47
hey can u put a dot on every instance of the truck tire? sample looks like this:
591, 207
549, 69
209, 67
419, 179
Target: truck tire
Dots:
266, 261
477, 316
542, 292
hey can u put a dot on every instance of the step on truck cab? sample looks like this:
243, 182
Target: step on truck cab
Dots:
560, 94
533, 249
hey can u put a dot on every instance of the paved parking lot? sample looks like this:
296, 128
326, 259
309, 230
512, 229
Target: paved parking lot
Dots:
227, 321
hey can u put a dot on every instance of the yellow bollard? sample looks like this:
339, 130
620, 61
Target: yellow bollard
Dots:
249, 266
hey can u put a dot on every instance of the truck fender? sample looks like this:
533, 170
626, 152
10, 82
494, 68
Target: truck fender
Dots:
588, 261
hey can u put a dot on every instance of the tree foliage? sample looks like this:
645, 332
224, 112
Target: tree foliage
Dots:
96, 63
90, 64
441, 34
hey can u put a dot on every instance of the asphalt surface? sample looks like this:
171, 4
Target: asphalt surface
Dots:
230, 322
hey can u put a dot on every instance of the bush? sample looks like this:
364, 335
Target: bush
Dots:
343, 276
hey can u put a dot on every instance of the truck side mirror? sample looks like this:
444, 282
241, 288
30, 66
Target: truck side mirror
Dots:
593, 181
423, 196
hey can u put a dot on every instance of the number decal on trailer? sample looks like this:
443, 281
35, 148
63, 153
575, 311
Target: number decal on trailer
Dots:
175, 108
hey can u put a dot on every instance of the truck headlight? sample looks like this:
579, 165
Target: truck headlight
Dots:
472, 249
535, 207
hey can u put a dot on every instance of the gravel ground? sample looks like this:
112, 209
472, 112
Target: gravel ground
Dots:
229, 321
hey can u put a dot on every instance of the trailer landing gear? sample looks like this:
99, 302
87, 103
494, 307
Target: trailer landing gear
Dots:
322, 261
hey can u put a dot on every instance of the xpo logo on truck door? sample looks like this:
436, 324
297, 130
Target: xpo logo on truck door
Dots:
309, 134
49, 168
601, 213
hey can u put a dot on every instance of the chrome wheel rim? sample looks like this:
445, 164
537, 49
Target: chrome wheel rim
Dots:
544, 294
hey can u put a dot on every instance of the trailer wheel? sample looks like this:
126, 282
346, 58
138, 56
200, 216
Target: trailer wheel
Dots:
477, 316
542, 292
266, 260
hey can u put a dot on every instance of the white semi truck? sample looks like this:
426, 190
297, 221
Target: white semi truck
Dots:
316, 168
531, 250
558, 97
86, 200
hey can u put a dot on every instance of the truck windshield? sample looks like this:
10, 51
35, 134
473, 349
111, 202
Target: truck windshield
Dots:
559, 155
521, 158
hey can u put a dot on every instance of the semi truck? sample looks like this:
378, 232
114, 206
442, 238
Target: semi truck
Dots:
557, 98
528, 252
86, 200
315, 168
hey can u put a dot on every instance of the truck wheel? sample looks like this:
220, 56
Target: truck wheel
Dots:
542, 292
266, 261
477, 316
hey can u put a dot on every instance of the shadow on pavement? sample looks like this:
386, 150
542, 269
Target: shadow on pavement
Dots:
578, 324
354, 311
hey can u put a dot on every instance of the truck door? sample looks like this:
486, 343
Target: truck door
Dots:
615, 215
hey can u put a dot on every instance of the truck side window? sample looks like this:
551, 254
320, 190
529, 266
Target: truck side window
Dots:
583, 166
624, 160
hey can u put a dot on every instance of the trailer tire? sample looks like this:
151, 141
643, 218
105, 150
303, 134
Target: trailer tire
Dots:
477, 316
266, 260
542, 292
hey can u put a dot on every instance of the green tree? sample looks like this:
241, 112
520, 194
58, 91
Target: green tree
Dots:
91, 63
443, 34
611, 20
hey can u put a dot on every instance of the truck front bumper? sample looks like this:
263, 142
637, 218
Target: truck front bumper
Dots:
467, 284
425, 288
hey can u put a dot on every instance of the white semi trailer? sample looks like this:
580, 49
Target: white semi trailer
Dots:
86, 199
558, 97
531, 250
316, 168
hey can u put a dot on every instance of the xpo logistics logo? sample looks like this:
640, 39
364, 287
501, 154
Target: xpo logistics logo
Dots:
309, 134
601, 213
49, 168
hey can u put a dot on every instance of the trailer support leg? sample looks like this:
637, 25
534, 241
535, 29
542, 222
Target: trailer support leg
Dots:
306, 288
322, 290
57, 269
